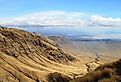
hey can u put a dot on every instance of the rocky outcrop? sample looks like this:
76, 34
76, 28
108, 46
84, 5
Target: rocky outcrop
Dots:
94, 64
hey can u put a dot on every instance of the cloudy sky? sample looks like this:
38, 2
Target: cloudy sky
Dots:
81, 13
99, 17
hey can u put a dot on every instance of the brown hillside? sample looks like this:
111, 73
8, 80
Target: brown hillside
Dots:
18, 42
110, 72
29, 57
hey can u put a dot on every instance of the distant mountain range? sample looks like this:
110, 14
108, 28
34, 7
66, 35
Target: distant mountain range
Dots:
71, 32
26, 25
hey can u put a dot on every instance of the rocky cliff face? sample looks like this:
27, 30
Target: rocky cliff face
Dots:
29, 57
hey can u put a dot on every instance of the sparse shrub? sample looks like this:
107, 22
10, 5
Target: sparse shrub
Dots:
105, 73
58, 77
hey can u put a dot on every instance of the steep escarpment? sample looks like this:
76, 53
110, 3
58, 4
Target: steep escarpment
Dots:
29, 57
18, 42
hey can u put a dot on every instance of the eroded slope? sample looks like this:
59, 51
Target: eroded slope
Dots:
29, 57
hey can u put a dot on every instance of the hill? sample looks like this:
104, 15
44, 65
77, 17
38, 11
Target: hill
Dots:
30, 57
110, 72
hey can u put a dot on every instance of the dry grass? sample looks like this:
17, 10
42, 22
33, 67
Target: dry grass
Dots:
28, 57
106, 73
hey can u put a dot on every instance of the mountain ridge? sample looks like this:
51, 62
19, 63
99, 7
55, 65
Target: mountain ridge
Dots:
12, 36
30, 57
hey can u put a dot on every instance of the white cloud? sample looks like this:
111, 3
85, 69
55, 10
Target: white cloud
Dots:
105, 21
64, 18
48, 18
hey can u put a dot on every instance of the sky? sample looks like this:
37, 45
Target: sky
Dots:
81, 13
11, 8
